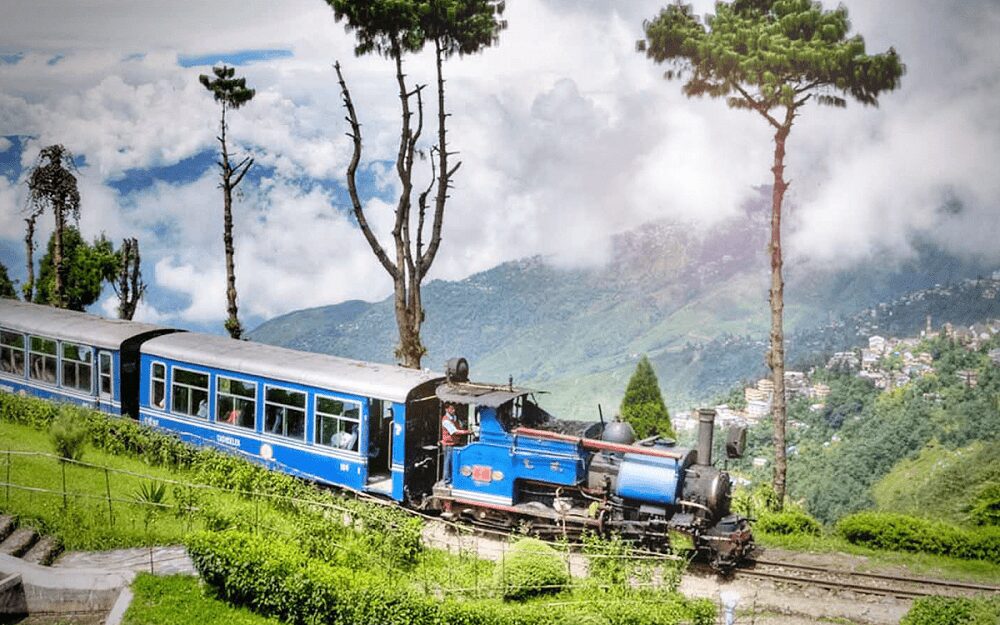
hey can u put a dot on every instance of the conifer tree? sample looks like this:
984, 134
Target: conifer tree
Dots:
771, 57
643, 407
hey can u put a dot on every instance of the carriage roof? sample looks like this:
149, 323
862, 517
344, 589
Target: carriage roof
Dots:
368, 379
69, 325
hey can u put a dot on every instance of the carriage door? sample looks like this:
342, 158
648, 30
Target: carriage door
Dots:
105, 380
379, 441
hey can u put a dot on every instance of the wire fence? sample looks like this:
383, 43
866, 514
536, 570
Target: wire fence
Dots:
484, 554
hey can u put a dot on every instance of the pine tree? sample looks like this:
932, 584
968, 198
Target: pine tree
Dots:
771, 57
6, 286
643, 407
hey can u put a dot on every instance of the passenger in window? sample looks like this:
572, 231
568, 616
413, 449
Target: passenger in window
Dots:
202, 408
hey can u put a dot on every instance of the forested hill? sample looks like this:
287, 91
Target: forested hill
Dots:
678, 297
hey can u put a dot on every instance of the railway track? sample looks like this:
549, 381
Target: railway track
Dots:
897, 586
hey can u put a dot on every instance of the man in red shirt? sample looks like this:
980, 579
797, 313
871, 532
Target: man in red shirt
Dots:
451, 435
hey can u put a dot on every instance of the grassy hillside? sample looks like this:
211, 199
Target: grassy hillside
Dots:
941, 483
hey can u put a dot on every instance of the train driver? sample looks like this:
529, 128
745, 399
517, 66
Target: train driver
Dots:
451, 435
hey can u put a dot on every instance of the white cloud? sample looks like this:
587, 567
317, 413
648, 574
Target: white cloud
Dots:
565, 133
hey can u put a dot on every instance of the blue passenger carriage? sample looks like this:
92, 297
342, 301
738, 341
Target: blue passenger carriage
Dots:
71, 356
343, 422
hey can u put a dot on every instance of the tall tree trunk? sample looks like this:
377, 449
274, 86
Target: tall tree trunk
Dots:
28, 289
130, 287
57, 254
776, 354
233, 325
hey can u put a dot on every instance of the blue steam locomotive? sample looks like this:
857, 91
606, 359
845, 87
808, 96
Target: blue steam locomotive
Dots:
376, 429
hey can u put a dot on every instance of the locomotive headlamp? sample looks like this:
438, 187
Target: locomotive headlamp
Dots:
736, 441
457, 370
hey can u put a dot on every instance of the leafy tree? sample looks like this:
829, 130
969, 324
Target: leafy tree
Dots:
392, 28
88, 266
52, 186
231, 93
771, 57
643, 407
128, 283
6, 286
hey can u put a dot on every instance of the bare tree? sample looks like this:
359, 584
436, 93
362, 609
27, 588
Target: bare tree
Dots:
231, 93
128, 284
28, 288
391, 28
52, 185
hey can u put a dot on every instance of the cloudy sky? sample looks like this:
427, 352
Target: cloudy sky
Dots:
566, 134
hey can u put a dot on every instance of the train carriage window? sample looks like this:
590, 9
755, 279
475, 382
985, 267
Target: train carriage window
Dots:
158, 385
189, 393
105, 375
236, 402
42, 360
78, 367
285, 412
338, 423
12, 353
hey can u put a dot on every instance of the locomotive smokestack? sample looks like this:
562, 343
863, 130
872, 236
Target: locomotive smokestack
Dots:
706, 428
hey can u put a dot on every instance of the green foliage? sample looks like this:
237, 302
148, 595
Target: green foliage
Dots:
6, 285
69, 436
392, 27
230, 91
787, 522
953, 611
783, 51
985, 509
752, 503
941, 483
274, 578
87, 266
531, 568
643, 406
385, 532
900, 532
835, 468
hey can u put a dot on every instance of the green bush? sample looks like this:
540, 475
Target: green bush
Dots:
531, 568
985, 509
899, 532
69, 436
274, 578
787, 523
953, 611
396, 538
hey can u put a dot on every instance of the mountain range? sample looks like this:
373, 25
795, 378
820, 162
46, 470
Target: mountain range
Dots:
694, 301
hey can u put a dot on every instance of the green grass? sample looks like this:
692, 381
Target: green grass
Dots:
85, 523
183, 600
916, 563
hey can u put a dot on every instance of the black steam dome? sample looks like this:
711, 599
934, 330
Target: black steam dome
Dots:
619, 432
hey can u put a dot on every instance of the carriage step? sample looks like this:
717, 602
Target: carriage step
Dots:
44, 551
19, 542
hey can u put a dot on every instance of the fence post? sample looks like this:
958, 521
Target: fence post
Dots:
8, 475
107, 489
63, 465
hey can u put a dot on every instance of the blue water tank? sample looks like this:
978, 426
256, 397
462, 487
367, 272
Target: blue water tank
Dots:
649, 478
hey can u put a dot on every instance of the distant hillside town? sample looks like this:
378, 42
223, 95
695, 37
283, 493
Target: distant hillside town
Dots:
887, 362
